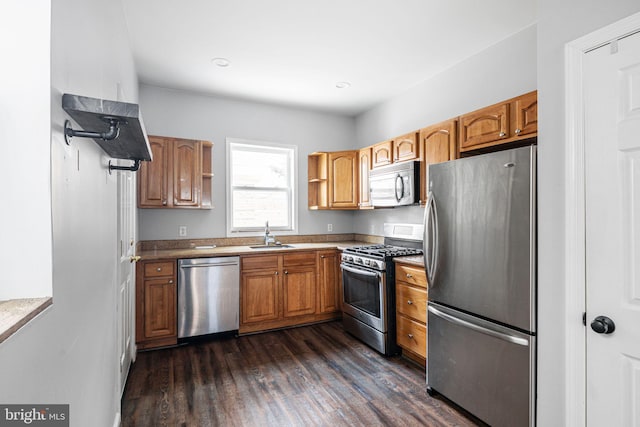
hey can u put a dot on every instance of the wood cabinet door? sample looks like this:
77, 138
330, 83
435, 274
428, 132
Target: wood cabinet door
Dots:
438, 144
153, 178
406, 147
364, 157
411, 302
160, 308
381, 154
484, 126
343, 178
328, 281
299, 291
412, 336
259, 296
187, 172
526, 112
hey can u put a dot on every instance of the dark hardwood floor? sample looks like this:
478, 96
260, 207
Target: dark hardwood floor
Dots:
309, 376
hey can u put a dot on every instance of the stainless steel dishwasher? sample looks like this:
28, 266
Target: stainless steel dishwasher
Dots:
208, 295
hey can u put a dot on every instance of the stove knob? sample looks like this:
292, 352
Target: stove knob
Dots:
367, 262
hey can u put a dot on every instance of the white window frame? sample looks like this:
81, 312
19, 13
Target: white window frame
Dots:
293, 192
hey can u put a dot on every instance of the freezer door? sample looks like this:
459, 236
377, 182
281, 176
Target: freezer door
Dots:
480, 241
485, 368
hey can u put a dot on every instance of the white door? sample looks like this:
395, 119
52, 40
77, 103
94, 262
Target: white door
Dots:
612, 230
126, 274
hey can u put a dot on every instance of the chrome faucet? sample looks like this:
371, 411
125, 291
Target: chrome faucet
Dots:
268, 237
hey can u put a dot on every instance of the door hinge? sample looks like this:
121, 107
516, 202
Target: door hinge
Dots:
584, 318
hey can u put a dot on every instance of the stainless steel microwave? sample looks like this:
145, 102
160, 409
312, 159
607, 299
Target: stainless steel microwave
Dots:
395, 185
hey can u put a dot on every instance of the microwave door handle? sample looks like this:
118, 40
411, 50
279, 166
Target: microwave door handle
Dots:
399, 188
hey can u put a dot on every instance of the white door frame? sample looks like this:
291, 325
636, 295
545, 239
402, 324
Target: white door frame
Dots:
575, 292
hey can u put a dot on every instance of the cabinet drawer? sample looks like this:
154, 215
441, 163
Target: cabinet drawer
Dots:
411, 302
412, 275
156, 269
260, 262
299, 258
412, 336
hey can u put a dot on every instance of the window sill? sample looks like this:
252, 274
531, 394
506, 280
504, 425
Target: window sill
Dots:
16, 313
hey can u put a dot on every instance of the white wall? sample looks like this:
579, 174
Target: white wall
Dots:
68, 353
558, 23
182, 114
500, 72
24, 137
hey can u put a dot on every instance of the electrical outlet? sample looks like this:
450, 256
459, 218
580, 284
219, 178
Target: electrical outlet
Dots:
182, 231
329, 227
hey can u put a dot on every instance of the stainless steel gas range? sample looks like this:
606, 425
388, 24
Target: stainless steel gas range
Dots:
368, 276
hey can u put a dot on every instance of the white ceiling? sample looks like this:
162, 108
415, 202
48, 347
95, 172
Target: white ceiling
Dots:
293, 52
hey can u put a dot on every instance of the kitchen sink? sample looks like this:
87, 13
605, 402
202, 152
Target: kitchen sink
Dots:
270, 246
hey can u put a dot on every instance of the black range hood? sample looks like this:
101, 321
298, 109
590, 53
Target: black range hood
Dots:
116, 127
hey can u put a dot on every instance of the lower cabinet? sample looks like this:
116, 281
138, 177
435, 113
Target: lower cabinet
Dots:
329, 280
411, 311
156, 304
295, 288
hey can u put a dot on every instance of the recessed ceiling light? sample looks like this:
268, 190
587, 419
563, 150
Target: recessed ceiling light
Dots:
221, 62
343, 85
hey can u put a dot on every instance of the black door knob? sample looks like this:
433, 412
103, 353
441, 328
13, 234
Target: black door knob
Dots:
603, 325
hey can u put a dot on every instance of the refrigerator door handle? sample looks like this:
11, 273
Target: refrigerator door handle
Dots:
478, 328
430, 238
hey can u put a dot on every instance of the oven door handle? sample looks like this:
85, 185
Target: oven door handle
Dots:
360, 271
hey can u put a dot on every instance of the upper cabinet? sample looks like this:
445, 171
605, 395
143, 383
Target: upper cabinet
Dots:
365, 167
438, 144
382, 154
343, 180
333, 180
399, 149
501, 123
406, 147
179, 175
340, 180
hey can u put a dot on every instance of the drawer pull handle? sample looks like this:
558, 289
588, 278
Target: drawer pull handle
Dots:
409, 302
410, 336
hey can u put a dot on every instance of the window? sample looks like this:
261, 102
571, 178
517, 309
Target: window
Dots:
261, 179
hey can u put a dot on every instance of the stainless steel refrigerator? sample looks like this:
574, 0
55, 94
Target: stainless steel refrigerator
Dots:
480, 259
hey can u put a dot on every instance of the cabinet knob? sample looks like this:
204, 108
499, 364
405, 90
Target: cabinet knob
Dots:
159, 269
170, 281
276, 273
286, 272
518, 131
409, 276
164, 203
409, 302
321, 256
502, 134
410, 336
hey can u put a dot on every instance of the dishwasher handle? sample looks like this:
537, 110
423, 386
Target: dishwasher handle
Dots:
207, 264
